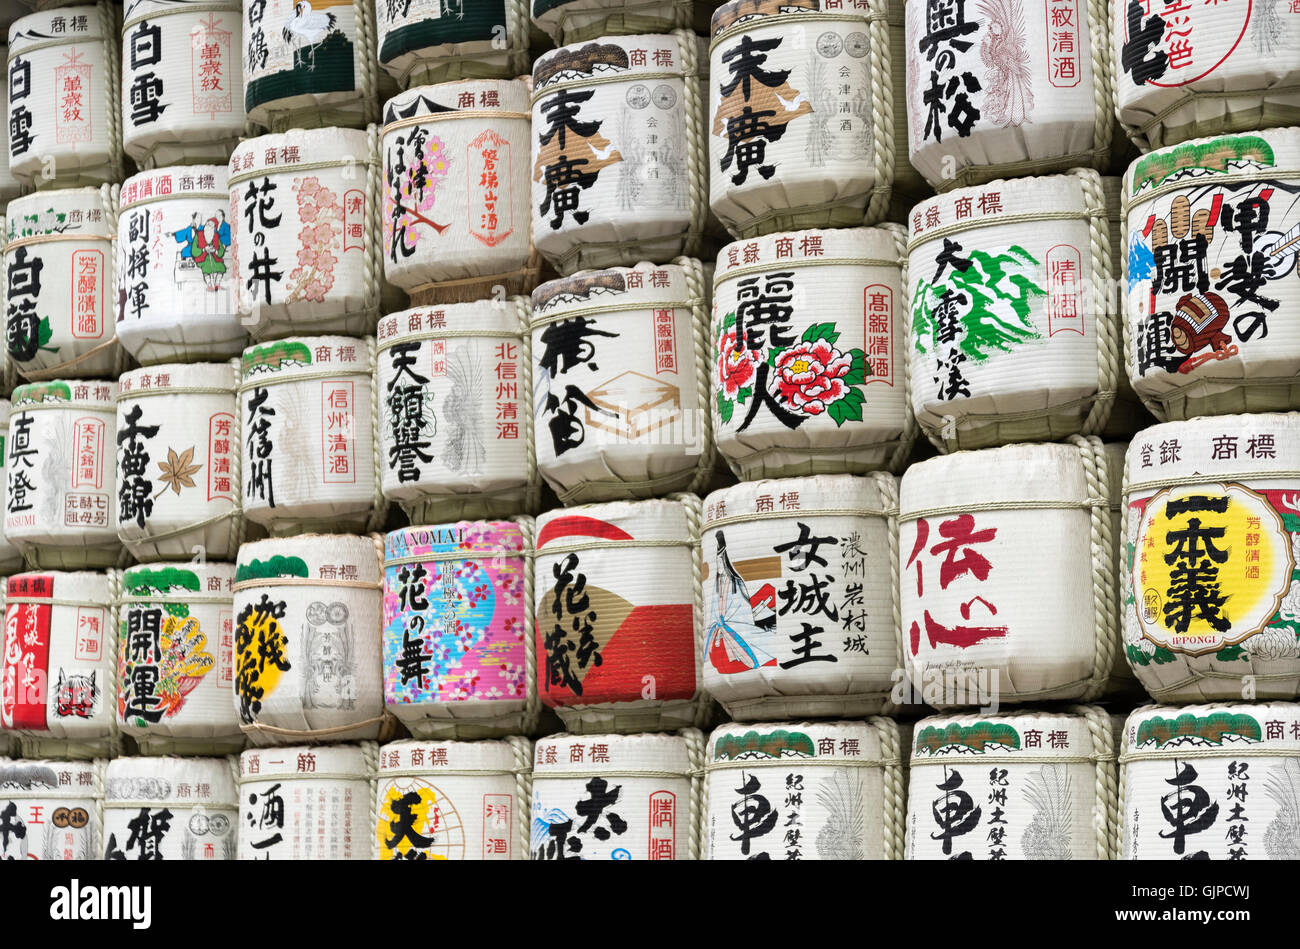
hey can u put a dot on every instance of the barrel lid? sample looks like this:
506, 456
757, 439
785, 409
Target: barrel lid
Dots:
303, 762
181, 183
446, 757
48, 778
1005, 736
205, 781
444, 98
469, 538
301, 354
1163, 731
608, 56
177, 376
803, 498
1230, 445
92, 394
178, 580
757, 743
484, 317
1038, 473
309, 556
579, 755
662, 519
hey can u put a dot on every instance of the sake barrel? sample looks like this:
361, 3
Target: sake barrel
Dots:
1123, 685
1013, 335
456, 419
573, 21
61, 507
59, 690
182, 81
307, 641
617, 797
59, 258
619, 163
800, 596
178, 462
810, 368
800, 115
1029, 785
454, 800
457, 658
1212, 550
65, 119
1003, 88
10, 186
311, 65
1186, 70
175, 298
11, 558
457, 224
825, 791
1213, 242
306, 237
423, 41
174, 660
307, 417
51, 809
619, 615
1210, 782
619, 372
170, 809
307, 803
1007, 575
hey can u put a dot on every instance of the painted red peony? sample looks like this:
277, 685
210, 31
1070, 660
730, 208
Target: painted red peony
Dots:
811, 375
736, 366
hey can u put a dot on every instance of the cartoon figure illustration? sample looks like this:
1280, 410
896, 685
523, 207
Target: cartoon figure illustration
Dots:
1198, 322
742, 621
205, 244
76, 695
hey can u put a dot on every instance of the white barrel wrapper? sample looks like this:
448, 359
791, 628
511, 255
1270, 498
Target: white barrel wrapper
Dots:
1190, 69
61, 508
458, 661
307, 803
10, 186
307, 416
304, 207
64, 113
182, 81
619, 615
617, 797
11, 558
1014, 331
175, 662
456, 420
311, 65
307, 639
809, 361
54, 804
175, 299
804, 791
801, 132
620, 385
619, 159
800, 596
1007, 87
1212, 558
456, 191
60, 649
170, 809
1012, 786
573, 21
983, 535
178, 461
423, 41
59, 258
454, 800
1213, 249
1213, 782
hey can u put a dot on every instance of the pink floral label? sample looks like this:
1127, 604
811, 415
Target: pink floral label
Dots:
454, 623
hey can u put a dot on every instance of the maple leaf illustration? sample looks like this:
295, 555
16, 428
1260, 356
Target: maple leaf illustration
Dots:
177, 470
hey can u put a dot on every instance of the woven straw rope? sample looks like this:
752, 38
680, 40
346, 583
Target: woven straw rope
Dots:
628, 17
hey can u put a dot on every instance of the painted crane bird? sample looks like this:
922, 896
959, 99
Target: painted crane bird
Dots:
307, 27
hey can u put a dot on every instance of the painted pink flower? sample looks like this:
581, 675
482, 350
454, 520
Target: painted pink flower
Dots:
810, 376
736, 366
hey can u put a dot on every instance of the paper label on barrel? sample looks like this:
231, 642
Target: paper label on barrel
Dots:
965, 808
58, 94
454, 629
167, 820
791, 100
609, 629
795, 593
1212, 265
1226, 799
167, 650
58, 293
1214, 570
295, 48
26, 656
427, 817
47, 811
300, 818
1182, 42
178, 69
453, 405
782, 808
611, 149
